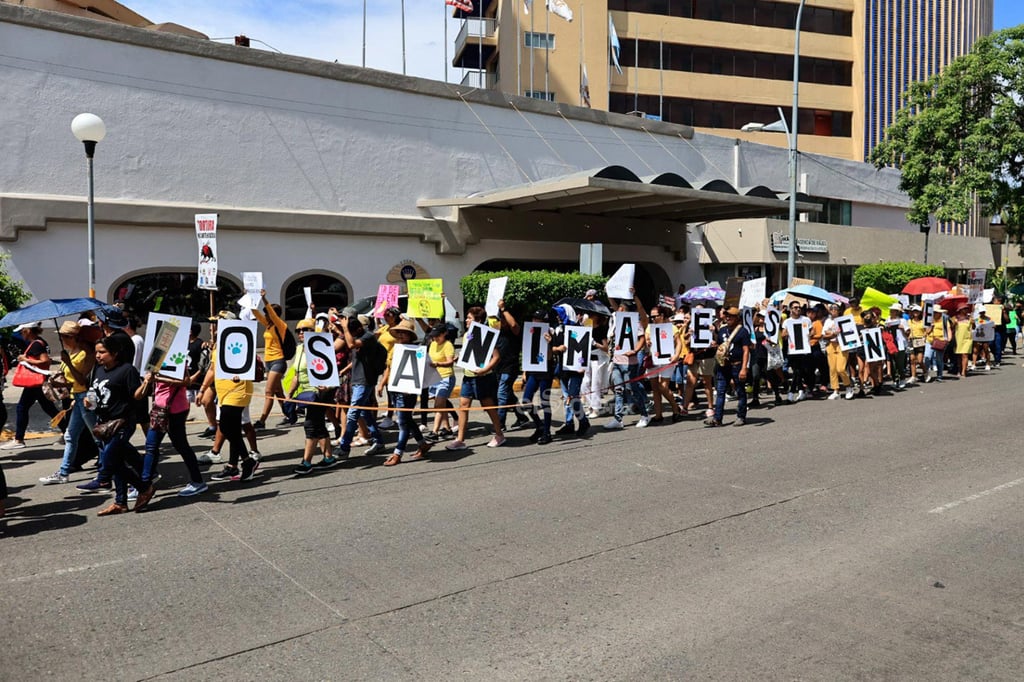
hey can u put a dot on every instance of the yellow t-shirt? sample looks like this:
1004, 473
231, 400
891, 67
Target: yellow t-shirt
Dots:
235, 394
83, 362
271, 339
856, 315
386, 339
442, 353
916, 329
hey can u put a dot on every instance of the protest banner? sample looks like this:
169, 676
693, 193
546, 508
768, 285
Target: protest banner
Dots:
477, 347
848, 337
975, 286
619, 284
798, 335
747, 315
408, 369
165, 346
321, 361
425, 298
627, 331
772, 324
252, 283
994, 312
307, 292
577, 347
702, 325
733, 291
495, 292
985, 332
535, 346
236, 350
874, 348
873, 298
206, 235
754, 291
663, 343
387, 297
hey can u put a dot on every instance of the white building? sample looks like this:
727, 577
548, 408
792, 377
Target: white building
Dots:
335, 175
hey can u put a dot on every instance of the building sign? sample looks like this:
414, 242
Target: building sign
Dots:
780, 244
404, 271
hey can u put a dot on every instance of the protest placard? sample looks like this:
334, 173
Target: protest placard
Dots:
798, 335
495, 292
619, 284
626, 331
206, 236
321, 361
425, 298
408, 369
387, 297
702, 325
663, 343
577, 347
165, 346
236, 350
477, 347
535, 346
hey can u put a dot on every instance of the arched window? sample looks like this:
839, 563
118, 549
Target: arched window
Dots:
174, 293
328, 292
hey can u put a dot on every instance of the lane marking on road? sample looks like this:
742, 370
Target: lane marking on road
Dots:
76, 569
976, 496
274, 566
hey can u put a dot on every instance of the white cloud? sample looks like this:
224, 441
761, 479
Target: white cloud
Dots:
325, 29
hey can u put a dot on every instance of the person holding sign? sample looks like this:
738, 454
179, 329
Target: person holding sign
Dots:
369, 360
575, 357
170, 412
733, 358
916, 334
274, 357
76, 363
797, 331
962, 327
314, 398
660, 317
627, 343
837, 356
233, 397
937, 337
441, 354
980, 349
872, 352
480, 384
537, 355
404, 333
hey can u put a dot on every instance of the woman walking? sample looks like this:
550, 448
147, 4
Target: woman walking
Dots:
34, 361
77, 364
168, 417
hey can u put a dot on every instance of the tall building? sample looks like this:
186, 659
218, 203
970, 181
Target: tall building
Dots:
719, 64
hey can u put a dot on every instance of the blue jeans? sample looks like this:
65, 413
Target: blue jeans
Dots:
722, 376
998, 345
572, 382
123, 460
407, 426
176, 430
80, 420
507, 395
361, 397
934, 359
623, 379
539, 383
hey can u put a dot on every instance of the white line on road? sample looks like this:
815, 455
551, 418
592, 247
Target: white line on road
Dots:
978, 496
75, 569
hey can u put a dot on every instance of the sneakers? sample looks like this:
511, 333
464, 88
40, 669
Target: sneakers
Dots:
521, 422
133, 494
359, 441
95, 486
249, 467
496, 442
259, 425
456, 445
327, 463
255, 454
789, 397
740, 421
13, 445
928, 378
431, 436
642, 424
544, 439
613, 424
849, 393
55, 477
445, 433
834, 395
341, 453
303, 468
210, 432
375, 449
386, 423
712, 422
584, 427
537, 433
209, 457
193, 489
801, 395
226, 474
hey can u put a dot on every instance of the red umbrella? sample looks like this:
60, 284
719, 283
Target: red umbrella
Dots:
927, 285
952, 303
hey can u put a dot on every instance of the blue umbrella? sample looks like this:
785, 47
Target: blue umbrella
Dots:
704, 293
812, 292
50, 309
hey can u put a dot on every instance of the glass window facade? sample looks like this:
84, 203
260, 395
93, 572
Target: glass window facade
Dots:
750, 12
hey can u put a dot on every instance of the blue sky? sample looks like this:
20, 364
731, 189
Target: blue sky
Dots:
332, 29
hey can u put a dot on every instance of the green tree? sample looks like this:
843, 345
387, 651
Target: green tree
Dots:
528, 290
960, 136
12, 291
890, 278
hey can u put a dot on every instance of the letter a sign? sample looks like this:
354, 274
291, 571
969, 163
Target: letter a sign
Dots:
408, 367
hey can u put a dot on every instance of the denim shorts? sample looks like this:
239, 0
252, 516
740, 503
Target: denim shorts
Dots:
443, 388
480, 387
279, 366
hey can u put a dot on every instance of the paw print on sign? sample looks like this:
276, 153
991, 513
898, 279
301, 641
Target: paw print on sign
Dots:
420, 354
235, 348
318, 365
177, 358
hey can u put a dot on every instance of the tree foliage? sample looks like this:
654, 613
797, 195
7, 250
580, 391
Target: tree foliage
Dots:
890, 278
12, 291
960, 136
527, 291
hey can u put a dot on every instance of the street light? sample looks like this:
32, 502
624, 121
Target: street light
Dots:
89, 130
925, 228
791, 137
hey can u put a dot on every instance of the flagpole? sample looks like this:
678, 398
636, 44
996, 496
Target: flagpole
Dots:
636, 66
581, 54
547, 46
661, 73
364, 34
519, 51
480, 47
533, 38
403, 37
444, 17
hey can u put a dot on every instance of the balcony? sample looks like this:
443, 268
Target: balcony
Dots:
480, 79
476, 42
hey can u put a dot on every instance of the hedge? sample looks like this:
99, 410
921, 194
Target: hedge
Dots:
892, 277
529, 290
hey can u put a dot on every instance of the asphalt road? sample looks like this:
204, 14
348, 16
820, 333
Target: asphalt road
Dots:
874, 539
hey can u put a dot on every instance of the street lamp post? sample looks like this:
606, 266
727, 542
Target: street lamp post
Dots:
791, 137
89, 129
925, 228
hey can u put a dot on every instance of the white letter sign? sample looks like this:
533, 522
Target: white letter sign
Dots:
535, 347
321, 362
577, 348
175, 355
874, 349
772, 324
236, 350
702, 324
848, 337
626, 327
477, 347
798, 335
619, 284
495, 292
408, 368
663, 344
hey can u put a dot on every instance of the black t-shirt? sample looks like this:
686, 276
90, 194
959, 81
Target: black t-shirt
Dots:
741, 339
358, 368
508, 348
115, 389
195, 353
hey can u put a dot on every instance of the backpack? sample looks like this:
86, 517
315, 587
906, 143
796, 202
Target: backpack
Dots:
287, 342
374, 357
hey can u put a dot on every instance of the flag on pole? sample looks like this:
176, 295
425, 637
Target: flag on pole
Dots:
464, 5
526, 6
613, 40
585, 88
559, 8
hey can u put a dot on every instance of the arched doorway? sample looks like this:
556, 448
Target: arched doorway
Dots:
328, 289
174, 293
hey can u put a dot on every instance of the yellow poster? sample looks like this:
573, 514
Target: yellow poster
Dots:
425, 298
994, 312
872, 298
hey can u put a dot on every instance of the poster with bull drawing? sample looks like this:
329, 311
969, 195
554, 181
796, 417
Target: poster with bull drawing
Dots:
206, 235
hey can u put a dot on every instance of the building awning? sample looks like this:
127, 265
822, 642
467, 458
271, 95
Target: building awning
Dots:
617, 192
